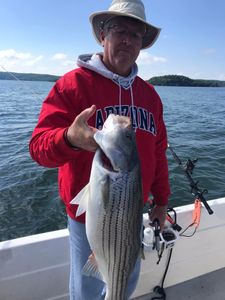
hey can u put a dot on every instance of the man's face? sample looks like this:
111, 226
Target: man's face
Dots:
122, 41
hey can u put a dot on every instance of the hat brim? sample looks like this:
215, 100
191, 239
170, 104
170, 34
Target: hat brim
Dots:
98, 18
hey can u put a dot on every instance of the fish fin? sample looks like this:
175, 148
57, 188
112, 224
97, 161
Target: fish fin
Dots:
81, 200
91, 268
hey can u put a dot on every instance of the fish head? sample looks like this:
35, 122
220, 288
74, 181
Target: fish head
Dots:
117, 141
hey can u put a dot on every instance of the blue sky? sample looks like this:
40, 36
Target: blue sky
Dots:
46, 36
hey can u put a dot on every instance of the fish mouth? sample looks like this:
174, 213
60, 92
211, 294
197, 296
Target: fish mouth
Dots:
106, 163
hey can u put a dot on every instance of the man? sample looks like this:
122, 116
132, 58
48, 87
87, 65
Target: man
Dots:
78, 105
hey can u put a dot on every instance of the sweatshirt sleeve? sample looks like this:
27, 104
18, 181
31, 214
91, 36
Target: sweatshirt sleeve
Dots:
47, 145
160, 187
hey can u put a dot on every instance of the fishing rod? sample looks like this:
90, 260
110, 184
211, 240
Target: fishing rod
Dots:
188, 169
199, 197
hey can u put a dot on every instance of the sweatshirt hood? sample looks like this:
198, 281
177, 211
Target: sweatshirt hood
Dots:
93, 62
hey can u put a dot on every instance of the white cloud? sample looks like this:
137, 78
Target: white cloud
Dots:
12, 54
59, 56
68, 63
221, 76
63, 62
149, 65
15, 61
34, 61
146, 58
25, 62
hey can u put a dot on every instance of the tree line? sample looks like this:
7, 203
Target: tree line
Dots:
179, 80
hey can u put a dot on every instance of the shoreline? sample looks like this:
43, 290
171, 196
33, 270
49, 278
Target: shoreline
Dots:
166, 80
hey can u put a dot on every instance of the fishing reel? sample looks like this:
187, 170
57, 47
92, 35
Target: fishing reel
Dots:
154, 239
190, 165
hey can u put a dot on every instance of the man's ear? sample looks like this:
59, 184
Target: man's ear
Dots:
102, 38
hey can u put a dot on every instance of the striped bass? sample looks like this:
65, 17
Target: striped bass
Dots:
113, 204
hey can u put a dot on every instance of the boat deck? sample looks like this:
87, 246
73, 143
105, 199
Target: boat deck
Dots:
207, 287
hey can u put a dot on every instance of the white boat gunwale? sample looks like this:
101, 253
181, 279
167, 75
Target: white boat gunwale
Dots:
43, 259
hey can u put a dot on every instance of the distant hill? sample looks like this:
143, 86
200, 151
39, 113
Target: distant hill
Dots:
167, 80
177, 80
27, 76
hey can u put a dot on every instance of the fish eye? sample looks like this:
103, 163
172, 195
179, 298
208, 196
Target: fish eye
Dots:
129, 136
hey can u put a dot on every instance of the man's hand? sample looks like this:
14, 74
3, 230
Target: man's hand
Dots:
159, 212
80, 134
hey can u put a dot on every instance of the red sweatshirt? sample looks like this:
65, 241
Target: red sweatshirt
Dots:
78, 90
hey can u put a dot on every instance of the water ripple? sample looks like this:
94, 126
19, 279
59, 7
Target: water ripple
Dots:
29, 201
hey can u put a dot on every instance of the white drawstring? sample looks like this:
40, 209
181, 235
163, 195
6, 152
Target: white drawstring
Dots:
120, 100
132, 97
132, 105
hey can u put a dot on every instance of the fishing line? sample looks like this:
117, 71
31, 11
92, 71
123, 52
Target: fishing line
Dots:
16, 78
10, 73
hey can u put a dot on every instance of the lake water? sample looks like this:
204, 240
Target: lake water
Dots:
29, 202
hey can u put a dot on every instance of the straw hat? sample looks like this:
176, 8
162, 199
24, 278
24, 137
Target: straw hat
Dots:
125, 8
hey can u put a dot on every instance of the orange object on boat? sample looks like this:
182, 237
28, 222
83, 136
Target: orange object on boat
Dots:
196, 215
